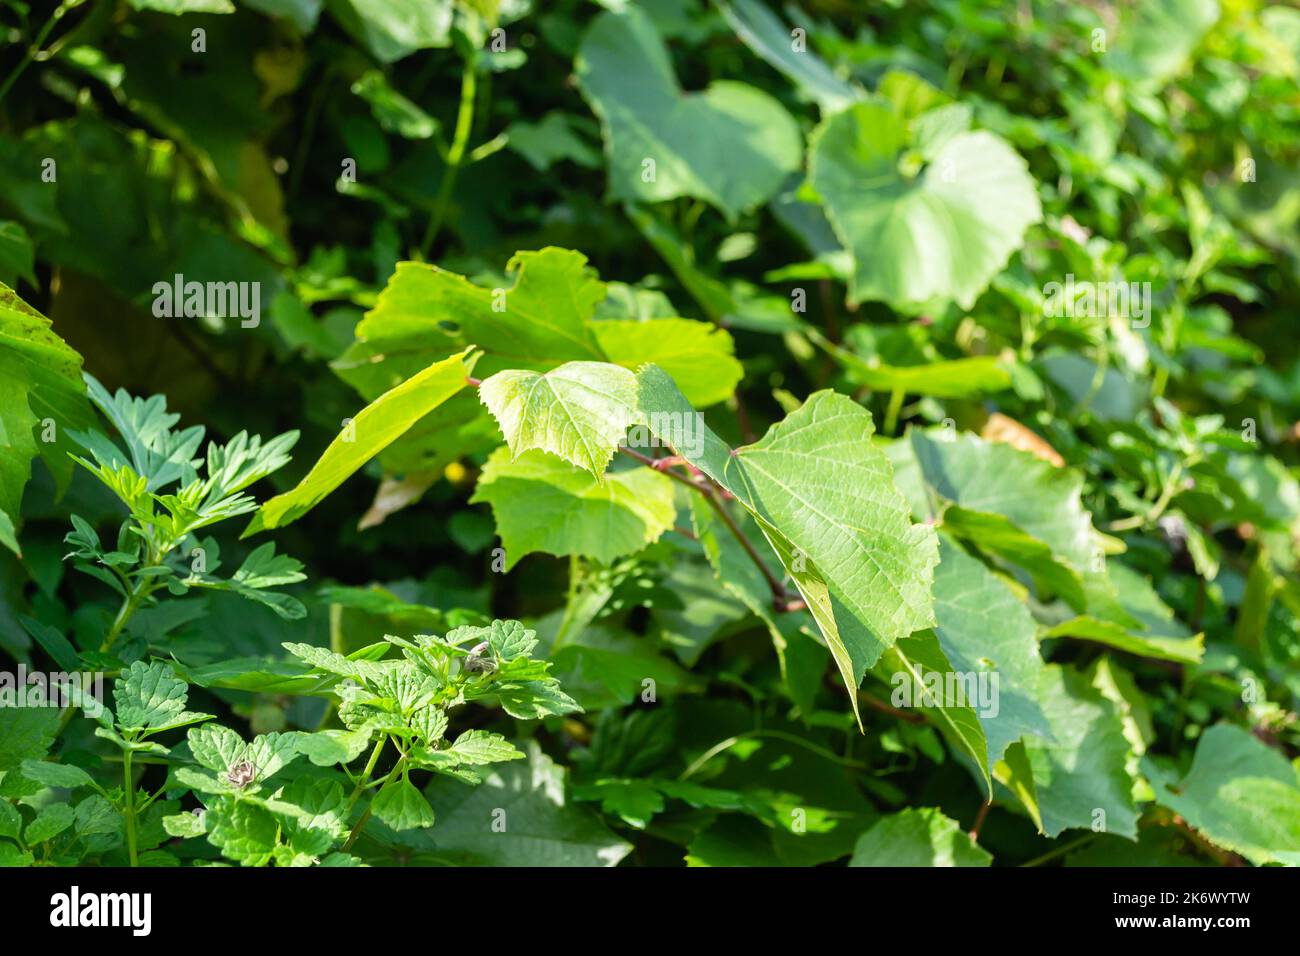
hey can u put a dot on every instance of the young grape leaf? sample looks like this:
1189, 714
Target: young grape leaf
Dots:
579, 411
824, 497
425, 312
918, 836
1079, 776
1240, 793
698, 356
764, 33
42, 377
374, 428
541, 503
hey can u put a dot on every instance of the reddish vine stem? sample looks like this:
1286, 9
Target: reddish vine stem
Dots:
780, 597
875, 703
979, 819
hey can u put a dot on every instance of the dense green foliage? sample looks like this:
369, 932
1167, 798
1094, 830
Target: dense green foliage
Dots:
708, 433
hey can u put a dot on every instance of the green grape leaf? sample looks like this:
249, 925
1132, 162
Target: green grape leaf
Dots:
918, 671
43, 384
374, 428
1156, 632
825, 498
996, 535
425, 312
1079, 776
698, 356
764, 33
1037, 499
918, 836
955, 378
551, 139
184, 6
541, 503
984, 629
941, 233
1239, 793
393, 29
579, 411
731, 145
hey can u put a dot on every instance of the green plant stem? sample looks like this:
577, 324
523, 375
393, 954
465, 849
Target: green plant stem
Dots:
724, 745
567, 620
455, 155
34, 49
128, 783
778, 589
891, 411
365, 774
1060, 850
399, 767
1158, 508
130, 604
779, 593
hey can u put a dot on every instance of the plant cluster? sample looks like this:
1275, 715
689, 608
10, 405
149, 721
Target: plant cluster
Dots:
805, 435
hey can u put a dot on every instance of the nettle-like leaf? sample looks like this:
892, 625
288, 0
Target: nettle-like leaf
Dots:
825, 499
918, 837
155, 452
55, 774
151, 698
1239, 793
928, 209
240, 765
579, 411
42, 377
401, 806
731, 145
25, 732
541, 503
